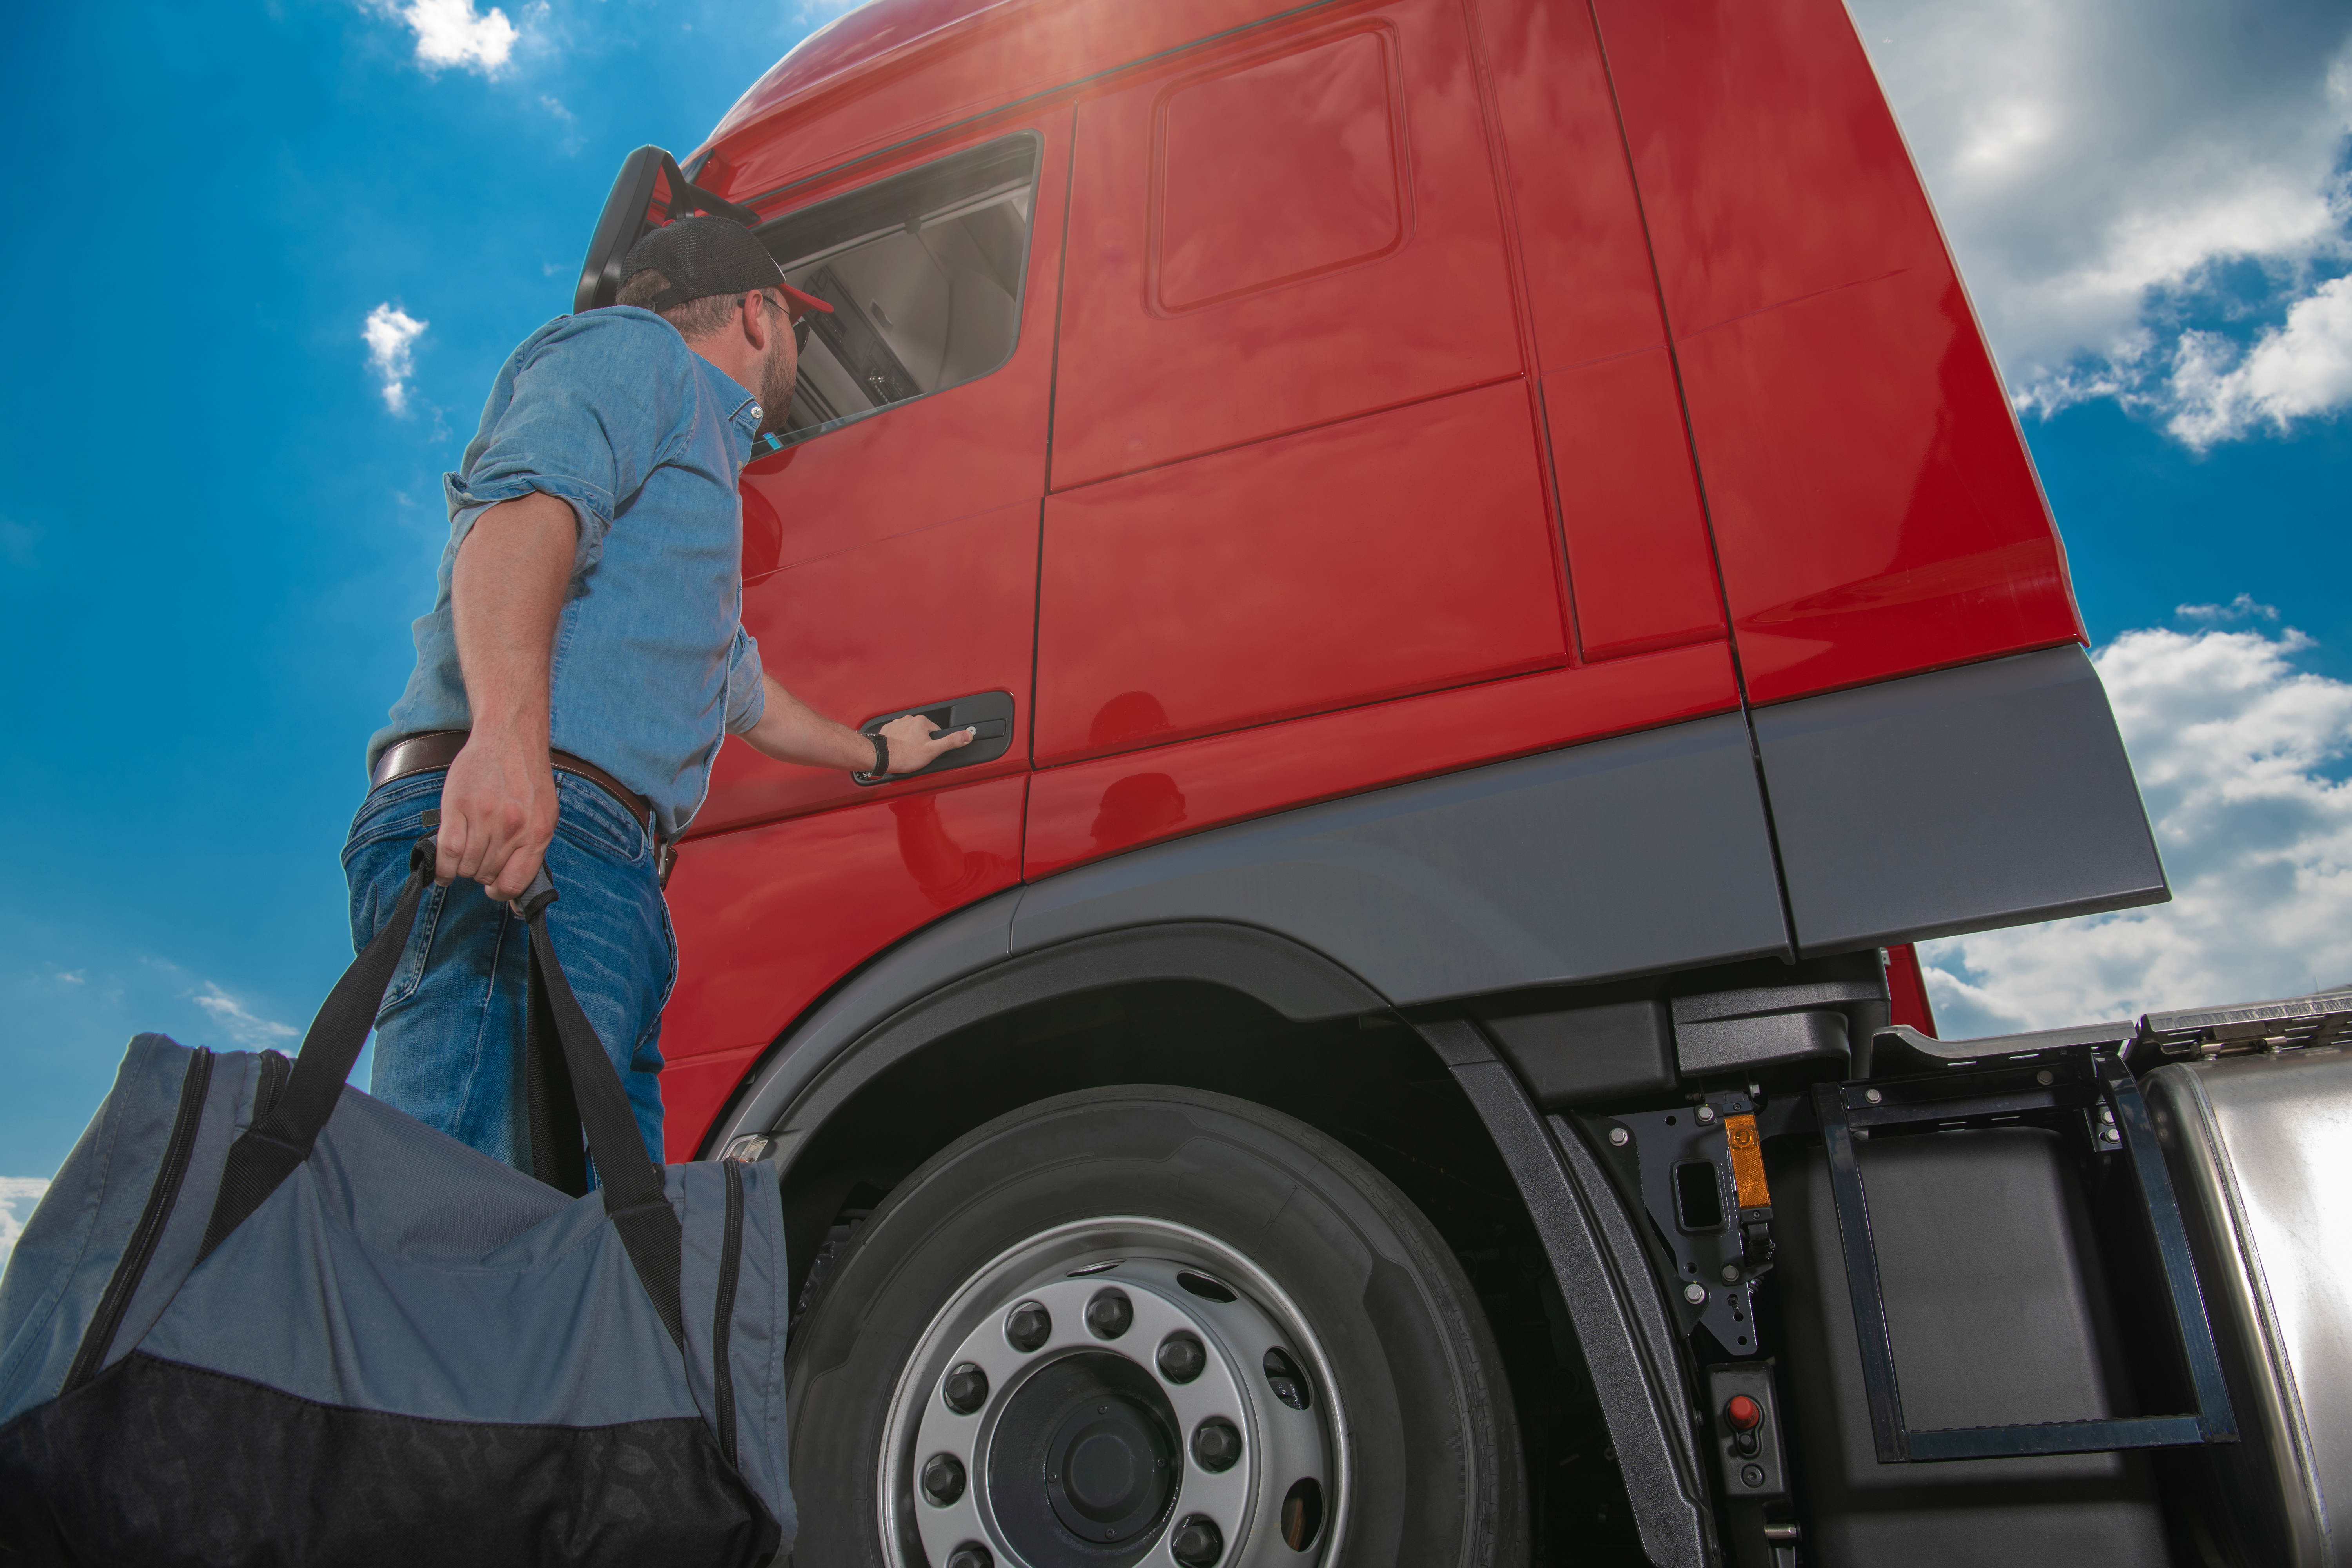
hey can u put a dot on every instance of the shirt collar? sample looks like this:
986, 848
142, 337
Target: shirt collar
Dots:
745, 412
744, 408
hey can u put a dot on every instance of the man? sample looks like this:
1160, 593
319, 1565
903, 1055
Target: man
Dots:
584, 658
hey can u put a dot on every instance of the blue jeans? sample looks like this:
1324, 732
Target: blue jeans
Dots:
449, 1036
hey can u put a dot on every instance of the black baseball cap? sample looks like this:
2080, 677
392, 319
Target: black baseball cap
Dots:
707, 256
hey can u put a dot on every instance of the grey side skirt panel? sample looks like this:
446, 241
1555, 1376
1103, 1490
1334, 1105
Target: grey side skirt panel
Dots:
1619, 856
1960, 800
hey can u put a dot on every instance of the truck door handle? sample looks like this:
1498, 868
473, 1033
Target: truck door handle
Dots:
989, 715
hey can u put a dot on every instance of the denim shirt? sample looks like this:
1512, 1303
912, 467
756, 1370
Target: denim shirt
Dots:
611, 412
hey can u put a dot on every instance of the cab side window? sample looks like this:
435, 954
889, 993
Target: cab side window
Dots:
924, 274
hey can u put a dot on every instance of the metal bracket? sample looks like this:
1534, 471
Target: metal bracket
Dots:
2065, 1080
1716, 1270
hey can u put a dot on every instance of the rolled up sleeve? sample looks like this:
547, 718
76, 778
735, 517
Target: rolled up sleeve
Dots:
747, 692
571, 428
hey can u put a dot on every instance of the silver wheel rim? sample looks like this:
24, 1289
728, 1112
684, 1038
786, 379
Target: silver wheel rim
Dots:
1284, 1450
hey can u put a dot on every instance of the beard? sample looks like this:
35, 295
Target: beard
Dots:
778, 375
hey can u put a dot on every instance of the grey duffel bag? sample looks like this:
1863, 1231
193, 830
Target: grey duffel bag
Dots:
260, 1319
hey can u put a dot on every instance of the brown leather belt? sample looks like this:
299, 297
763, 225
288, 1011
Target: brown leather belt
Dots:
439, 748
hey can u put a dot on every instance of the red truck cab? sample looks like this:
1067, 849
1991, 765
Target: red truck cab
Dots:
1284, 403
1502, 590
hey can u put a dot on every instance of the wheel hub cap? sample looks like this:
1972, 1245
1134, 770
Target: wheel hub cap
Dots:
1129, 1417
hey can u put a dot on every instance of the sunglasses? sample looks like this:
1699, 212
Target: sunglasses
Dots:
799, 322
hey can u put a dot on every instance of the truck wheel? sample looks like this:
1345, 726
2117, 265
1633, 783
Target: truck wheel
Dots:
1156, 1327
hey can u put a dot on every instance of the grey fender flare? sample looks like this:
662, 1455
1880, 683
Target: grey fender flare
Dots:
856, 1034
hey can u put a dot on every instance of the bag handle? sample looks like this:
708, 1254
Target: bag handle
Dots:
276, 1144
556, 1158
582, 1085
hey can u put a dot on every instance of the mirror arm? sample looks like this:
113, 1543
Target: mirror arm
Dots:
623, 222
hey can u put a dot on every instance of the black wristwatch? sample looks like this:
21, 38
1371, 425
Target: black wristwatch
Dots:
881, 761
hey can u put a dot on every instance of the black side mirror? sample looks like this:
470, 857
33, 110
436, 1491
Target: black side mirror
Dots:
649, 191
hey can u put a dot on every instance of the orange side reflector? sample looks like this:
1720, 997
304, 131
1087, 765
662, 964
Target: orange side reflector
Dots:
1747, 1163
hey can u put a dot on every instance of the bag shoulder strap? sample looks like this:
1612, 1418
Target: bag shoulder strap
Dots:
634, 1199
281, 1139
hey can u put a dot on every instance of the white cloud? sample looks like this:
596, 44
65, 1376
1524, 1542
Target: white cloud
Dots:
2101, 164
2233, 747
2240, 608
241, 1025
2292, 372
74, 976
390, 333
452, 33
18, 1197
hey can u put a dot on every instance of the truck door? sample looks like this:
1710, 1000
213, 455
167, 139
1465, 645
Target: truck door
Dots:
890, 563
1294, 467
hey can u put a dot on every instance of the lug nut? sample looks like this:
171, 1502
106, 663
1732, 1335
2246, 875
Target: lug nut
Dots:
1110, 1314
1215, 1445
971, 1554
1181, 1358
1197, 1543
943, 1479
1282, 1375
965, 1389
1028, 1326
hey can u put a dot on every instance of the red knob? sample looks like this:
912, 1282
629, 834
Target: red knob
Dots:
1743, 1414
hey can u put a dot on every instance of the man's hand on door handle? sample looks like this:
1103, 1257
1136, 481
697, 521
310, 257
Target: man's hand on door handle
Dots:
914, 744
792, 732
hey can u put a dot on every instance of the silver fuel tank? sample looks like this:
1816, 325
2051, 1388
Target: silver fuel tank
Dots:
2259, 1147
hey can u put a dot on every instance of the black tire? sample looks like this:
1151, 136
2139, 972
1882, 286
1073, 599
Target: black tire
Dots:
1437, 1477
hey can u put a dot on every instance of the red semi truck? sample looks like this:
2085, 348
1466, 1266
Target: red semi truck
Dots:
1500, 591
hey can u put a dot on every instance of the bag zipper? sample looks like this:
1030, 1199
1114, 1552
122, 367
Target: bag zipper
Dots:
161, 1197
730, 1264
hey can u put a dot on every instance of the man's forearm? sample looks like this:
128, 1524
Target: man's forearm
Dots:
498, 802
506, 591
792, 732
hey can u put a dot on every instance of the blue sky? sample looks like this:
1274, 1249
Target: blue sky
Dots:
216, 517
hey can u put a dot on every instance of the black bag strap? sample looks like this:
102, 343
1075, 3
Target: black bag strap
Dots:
556, 1155
634, 1199
275, 1145
279, 1141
